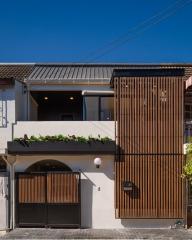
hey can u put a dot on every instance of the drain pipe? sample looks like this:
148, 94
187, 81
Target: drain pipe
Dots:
12, 189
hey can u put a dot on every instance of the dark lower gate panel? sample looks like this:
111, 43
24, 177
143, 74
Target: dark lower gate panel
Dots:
63, 199
31, 215
63, 215
48, 199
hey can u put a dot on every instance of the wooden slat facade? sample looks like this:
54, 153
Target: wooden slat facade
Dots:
149, 135
48, 188
32, 188
62, 188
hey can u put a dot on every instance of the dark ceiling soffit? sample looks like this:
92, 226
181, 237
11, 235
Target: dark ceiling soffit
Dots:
160, 72
5, 82
63, 80
148, 72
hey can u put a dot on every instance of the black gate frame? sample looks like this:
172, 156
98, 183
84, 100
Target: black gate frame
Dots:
72, 210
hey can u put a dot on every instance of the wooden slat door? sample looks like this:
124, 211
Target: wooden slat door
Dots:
31, 199
63, 188
48, 199
32, 188
63, 199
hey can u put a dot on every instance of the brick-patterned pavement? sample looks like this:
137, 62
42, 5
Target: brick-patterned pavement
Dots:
42, 233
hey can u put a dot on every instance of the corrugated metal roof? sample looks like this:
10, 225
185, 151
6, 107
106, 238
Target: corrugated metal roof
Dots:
74, 73
85, 73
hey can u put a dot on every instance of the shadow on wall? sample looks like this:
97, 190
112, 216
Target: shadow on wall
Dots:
106, 130
148, 223
3, 108
86, 202
106, 168
108, 172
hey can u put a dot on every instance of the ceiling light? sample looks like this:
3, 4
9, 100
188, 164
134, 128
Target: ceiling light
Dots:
71, 98
45, 98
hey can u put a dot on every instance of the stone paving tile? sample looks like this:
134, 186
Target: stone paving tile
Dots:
42, 233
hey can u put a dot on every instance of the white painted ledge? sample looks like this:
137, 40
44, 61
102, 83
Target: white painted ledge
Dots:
78, 128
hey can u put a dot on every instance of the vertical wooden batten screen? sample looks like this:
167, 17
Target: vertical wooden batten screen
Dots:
149, 136
31, 188
48, 187
63, 188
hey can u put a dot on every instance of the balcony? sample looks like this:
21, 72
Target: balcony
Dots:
78, 128
70, 106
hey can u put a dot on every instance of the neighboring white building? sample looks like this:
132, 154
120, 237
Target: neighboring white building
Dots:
53, 99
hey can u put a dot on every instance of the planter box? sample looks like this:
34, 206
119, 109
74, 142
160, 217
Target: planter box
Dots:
61, 147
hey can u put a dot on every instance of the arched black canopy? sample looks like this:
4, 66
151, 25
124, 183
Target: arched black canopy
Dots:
48, 165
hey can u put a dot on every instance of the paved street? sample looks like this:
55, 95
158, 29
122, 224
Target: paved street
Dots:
35, 233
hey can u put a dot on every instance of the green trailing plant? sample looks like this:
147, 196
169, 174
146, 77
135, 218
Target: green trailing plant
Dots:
105, 139
63, 138
187, 169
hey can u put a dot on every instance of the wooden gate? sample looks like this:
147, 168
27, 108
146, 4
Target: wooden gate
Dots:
48, 199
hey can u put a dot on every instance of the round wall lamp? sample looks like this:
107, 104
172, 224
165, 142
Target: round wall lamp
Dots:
97, 162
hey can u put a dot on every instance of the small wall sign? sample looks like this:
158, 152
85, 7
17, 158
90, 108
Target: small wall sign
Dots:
128, 186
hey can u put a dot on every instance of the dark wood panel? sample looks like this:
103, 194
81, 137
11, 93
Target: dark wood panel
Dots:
31, 188
157, 186
62, 188
149, 115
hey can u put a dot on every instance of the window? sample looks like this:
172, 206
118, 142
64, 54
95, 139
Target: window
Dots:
98, 108
91, 106
188, 111
106, 108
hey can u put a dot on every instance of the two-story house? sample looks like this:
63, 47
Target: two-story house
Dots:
93, 145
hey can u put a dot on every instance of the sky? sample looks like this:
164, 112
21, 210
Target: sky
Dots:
92, 31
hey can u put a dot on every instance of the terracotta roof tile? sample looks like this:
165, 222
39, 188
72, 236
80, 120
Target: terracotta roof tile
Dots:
16, 71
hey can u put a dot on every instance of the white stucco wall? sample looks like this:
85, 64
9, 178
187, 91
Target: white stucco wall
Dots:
8, 99
20, 102
4, 216
78, 128
68, 87
97, 192
95, 204
14, 108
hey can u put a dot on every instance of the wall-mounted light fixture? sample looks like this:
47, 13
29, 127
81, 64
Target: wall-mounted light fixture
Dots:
71, 98
97, 162
45, 98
